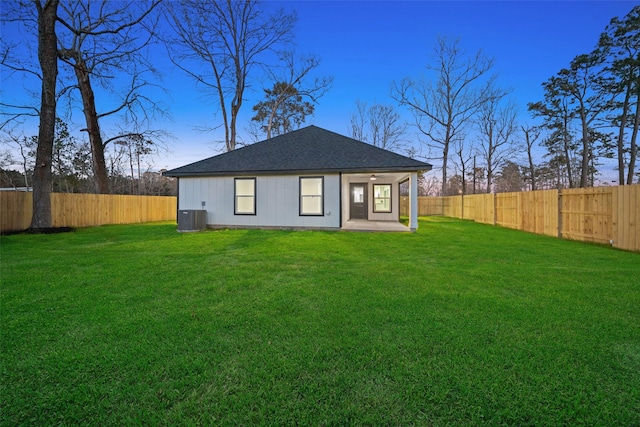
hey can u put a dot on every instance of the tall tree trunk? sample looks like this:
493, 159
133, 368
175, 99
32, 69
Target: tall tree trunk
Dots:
489, 173
133, 179
236, 103
623, 124
567, 152
532, 169
490, 159
140, 183
272, 115
101, 177
25, 169
231, 144
474, 174
634, 144
48, 58
463, 165
445, 156
584, 175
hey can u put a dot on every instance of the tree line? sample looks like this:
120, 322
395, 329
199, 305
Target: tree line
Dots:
94, 56
129, 162
469, 123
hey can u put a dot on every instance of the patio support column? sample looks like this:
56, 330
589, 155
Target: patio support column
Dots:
413, 201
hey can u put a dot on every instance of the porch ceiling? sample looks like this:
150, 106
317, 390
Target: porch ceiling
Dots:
387, 176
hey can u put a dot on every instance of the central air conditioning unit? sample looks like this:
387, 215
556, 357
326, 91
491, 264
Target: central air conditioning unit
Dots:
192, 220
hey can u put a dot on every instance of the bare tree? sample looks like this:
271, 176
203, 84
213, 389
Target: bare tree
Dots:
14, 65
443, 109
428, 186
496, 128
38, 18
155, 184
18, 60
380, 125
117, 176
47, 56
25, 147
358, 122
462, 160
7, 174
137, 147
531, 135
103, 39
220, 43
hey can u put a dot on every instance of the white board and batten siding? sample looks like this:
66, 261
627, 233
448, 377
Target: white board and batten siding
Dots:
277, 201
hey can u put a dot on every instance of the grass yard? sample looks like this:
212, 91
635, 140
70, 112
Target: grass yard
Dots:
457, 324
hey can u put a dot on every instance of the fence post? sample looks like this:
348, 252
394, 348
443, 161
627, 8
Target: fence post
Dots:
495, 209
559, 213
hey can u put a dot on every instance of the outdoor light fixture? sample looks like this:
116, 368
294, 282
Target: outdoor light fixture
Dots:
373, 177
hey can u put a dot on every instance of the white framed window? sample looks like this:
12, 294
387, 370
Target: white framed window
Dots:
245, 196
382, 198
312, 195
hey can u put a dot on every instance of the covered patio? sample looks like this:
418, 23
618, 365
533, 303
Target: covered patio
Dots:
371, 200
364, 225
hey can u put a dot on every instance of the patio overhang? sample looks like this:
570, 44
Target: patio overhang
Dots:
370, 201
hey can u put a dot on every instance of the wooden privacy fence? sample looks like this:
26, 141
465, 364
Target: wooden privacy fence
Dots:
608, 215
85, 210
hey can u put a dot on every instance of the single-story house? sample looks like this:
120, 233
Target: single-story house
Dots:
310, 178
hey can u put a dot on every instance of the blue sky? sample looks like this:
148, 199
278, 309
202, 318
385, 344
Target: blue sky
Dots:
366, 45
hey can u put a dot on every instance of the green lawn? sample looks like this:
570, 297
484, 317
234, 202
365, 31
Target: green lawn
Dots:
457, 324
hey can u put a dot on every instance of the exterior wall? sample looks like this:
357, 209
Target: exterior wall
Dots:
394, 215
277, 201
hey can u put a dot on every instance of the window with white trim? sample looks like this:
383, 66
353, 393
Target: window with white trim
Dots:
382, 198
245, 196
312, 195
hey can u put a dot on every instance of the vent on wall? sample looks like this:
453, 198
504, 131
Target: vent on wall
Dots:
192, 220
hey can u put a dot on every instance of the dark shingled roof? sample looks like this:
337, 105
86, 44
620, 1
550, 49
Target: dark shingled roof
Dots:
307, 150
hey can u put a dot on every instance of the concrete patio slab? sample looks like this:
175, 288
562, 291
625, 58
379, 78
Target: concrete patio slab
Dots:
364, 225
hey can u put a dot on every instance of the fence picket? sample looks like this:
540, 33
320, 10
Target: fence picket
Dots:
85, 210
599, 214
